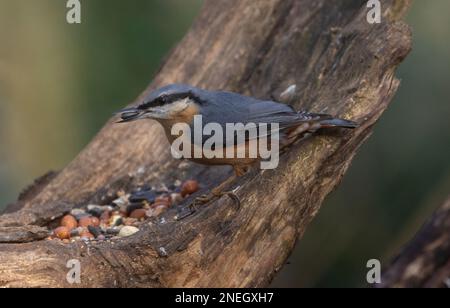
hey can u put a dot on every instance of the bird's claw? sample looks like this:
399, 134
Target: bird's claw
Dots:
193, 206
233, 196
204, 199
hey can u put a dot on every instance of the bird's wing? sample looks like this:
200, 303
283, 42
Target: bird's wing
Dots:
227, 107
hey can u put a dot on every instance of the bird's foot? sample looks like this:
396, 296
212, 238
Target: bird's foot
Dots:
216, 194
232, 195
205, 199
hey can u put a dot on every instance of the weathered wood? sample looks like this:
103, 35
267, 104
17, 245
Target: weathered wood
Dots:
425, 261
341, 65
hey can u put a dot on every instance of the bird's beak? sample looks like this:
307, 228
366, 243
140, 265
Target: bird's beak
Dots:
133, 114
130, 114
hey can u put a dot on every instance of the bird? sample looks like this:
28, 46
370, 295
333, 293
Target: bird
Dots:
181, 103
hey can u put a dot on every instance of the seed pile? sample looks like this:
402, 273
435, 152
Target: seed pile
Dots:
123, 216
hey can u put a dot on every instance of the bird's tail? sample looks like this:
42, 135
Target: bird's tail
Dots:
311, 122
335, 122
322, 120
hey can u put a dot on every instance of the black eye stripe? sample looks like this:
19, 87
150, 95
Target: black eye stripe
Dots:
159, 102
174, 97
155, 103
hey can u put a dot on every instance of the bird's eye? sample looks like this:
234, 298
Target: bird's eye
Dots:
162, 99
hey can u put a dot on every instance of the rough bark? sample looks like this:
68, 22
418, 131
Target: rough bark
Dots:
341, 65
425, 261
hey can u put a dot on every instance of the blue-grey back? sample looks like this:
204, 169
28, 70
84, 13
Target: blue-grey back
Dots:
227, 107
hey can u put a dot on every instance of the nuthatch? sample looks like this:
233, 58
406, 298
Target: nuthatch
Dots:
180, 103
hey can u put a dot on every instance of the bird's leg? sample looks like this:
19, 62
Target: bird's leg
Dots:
216, 192
219, 191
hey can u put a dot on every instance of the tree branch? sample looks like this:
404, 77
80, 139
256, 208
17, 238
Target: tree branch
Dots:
425, 261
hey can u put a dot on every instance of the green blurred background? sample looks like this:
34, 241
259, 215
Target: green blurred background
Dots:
59, 83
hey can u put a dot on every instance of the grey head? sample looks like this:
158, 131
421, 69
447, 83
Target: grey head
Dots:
163, 103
